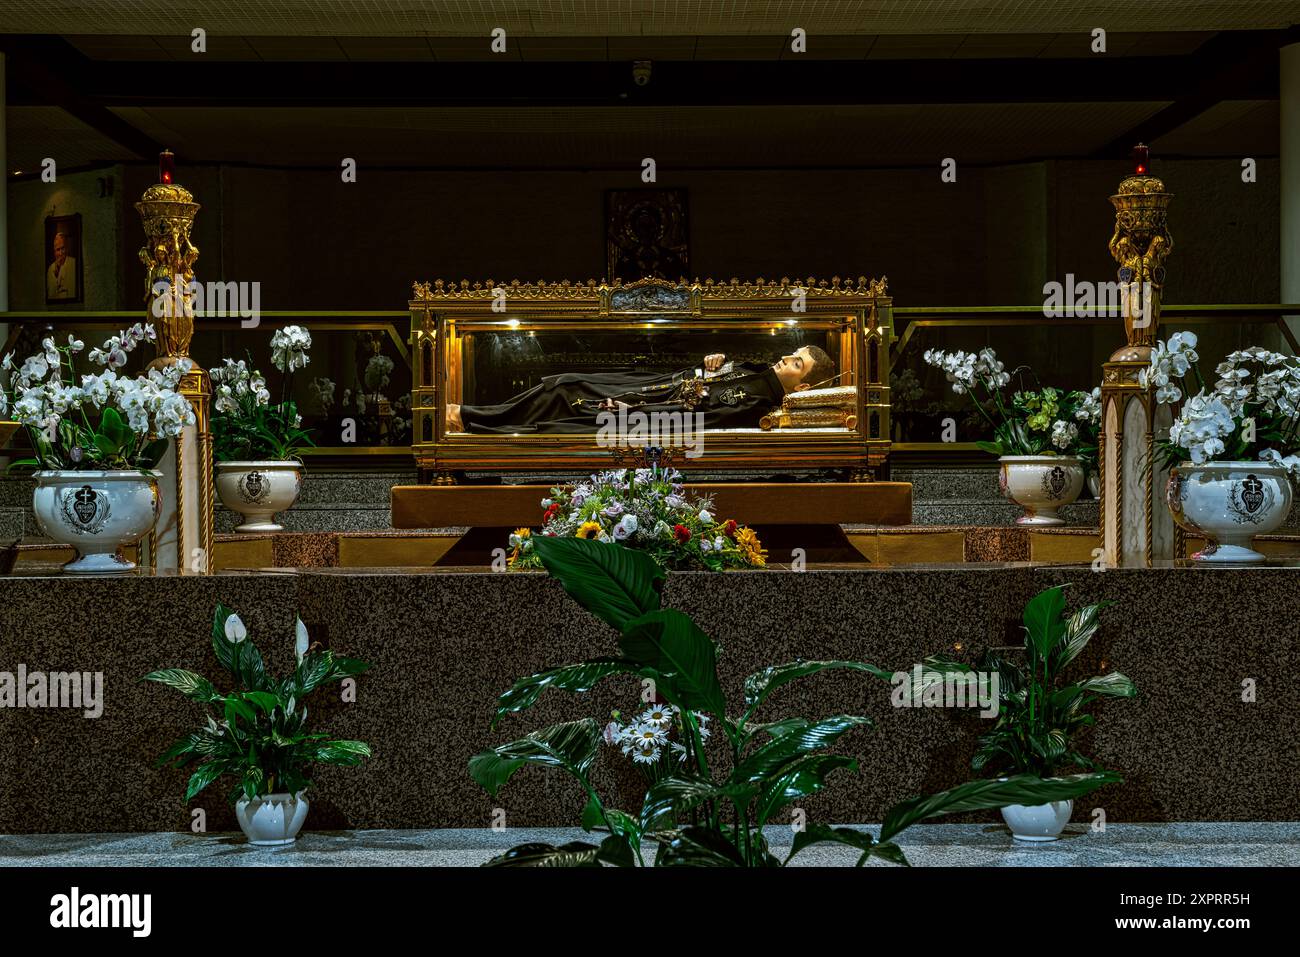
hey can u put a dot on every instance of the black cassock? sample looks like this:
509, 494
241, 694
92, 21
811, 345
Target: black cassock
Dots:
735, 398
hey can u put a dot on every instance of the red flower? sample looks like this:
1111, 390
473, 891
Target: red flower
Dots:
729, 529
550, 513
681, 533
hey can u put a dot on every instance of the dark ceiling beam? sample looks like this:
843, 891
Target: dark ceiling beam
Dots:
1232, 62
46, 71
204, 83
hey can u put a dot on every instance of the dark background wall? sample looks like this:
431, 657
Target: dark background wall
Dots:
991, 238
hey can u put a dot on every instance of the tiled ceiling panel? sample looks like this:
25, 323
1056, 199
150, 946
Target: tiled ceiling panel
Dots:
35, 132
634, 17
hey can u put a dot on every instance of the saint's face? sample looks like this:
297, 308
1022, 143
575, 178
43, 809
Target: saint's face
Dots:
791, 369
60, 248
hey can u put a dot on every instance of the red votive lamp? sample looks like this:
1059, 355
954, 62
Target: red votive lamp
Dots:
166, 167
1141, 158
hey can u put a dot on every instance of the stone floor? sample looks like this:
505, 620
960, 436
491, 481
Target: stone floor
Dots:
926, 845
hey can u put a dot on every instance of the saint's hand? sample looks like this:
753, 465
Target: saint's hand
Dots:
714, 362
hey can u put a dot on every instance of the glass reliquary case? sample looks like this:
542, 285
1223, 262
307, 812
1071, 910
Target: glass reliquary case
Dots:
761, 377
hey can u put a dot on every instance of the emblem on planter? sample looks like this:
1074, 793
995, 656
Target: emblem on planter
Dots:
1249, 500
254, 487
85, 510
1055, 482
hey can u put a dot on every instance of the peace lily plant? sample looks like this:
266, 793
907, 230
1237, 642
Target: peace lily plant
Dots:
257, 733
257, 445
701, 813
1040, 713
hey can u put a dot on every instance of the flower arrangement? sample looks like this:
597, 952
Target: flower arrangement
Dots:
1045, 421
655, 737
259, 736
245, 425
1253, 411
109, 421
647, 509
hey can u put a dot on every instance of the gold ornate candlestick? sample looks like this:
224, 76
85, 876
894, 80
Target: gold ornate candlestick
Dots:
182, 539
1136, 526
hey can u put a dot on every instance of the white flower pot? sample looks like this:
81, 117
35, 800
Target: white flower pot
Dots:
1229, 503
258, 490
98, 514
1038, 823
272, 820
1040, 484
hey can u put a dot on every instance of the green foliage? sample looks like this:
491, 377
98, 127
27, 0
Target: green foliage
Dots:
258, 433
1039, 712
700, 818
102, 440
259, 734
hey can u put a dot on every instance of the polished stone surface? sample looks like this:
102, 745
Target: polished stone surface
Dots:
926, 845
444, 644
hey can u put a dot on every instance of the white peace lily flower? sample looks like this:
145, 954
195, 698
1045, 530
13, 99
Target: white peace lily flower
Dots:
235, 630
301, 641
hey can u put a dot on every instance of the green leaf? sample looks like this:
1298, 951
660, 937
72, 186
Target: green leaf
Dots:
617, 850
1112, 685
762, 683
112, 425
993, 448
204, 775
797, 780
1043, 620
227, 651
344, 753
614, 583
574, 678
1028, 789
252, 673
573, 854
571, 745
264, 700
233, 707
188, 683
670, 643
699, 847
1079, 629
680, 793
152, 453
824, 834
773, 755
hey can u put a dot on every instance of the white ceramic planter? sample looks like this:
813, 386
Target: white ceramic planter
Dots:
258, 490
273, 819
1038, 823
1040, 484
1229, 503
98, 514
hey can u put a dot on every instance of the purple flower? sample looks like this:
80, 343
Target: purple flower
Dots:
614, 509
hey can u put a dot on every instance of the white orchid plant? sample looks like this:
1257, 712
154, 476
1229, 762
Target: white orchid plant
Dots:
1251, 413
98, 421
245, 425
1045, 421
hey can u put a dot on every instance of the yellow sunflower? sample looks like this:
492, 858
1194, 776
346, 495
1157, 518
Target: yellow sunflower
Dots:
588, 530
751, 549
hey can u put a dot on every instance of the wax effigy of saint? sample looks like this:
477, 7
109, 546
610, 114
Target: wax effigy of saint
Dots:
728, 395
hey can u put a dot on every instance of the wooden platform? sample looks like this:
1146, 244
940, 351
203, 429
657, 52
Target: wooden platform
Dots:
752, 503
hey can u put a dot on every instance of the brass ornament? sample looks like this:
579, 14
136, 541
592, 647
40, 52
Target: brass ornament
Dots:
167, 211
1140, 244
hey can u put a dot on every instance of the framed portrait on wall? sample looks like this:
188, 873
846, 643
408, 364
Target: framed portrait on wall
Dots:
646, 234
63, 260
